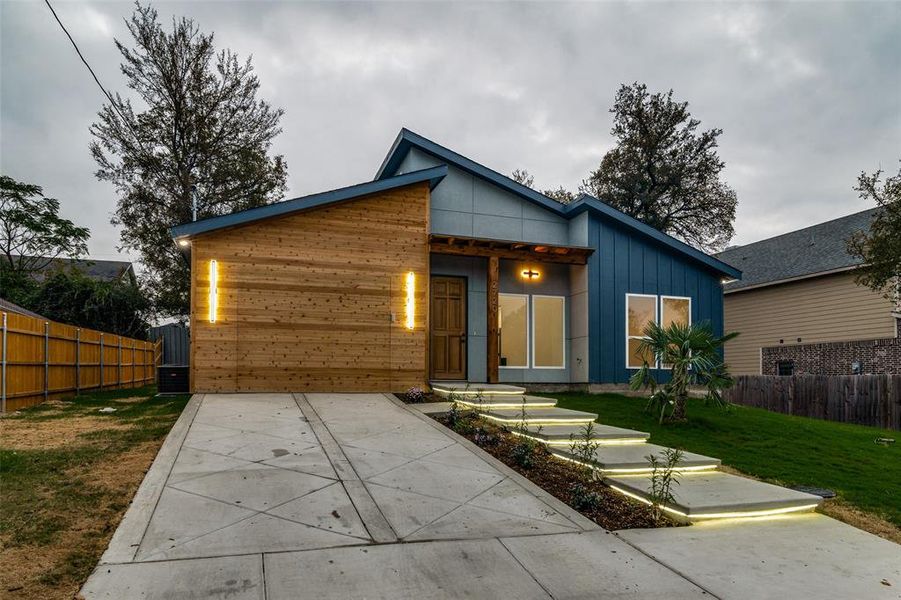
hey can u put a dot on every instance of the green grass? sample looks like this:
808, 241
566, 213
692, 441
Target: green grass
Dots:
775, 447
48, 491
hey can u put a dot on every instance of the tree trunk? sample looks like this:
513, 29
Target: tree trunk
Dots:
679, 408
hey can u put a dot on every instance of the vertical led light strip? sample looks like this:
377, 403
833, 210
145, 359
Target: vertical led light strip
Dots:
411, 303
214, 292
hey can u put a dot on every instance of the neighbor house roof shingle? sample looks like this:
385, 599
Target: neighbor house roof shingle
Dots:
816, 249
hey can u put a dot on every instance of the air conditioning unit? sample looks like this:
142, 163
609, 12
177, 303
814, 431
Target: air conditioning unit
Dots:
173, 379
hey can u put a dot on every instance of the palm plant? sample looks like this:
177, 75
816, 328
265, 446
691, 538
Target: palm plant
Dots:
692, 354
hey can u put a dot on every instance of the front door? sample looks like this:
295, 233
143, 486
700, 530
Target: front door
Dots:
448, 328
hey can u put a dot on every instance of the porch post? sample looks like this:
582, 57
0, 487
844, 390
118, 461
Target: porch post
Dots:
493, 340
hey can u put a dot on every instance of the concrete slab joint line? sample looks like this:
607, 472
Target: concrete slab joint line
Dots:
375, 522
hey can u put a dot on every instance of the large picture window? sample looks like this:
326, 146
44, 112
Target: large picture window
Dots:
641, 309
513, 324
549, 332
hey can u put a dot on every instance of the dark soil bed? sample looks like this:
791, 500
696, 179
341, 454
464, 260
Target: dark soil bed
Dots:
610, 509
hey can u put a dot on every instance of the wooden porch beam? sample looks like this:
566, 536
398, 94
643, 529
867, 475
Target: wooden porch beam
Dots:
572, 258
493, 332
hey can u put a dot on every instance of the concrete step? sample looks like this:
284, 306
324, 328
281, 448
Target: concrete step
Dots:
558, 435
463, 389
495, 402
718, 495
632, 459
539, 416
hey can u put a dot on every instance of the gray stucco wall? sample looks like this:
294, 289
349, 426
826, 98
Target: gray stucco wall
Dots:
465, 205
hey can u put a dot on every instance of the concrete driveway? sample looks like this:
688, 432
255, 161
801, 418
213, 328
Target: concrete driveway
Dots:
274, 496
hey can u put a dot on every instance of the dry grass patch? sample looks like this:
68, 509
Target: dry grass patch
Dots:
68, 476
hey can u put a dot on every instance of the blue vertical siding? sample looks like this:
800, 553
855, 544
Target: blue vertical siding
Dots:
626, 262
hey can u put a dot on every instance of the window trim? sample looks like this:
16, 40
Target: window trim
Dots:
639, 337
528, 333
535, 365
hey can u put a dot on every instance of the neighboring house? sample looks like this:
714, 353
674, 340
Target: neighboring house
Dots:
10, 307
99, 270
439, 269
799, 310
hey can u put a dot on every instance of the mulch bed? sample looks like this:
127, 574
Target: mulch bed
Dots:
612, 511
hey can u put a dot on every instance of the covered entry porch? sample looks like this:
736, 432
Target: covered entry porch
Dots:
507, 311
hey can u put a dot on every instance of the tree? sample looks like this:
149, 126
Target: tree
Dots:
203, 130
32, 234
664, 171
693, 356
880, 248
110, 306
561, 194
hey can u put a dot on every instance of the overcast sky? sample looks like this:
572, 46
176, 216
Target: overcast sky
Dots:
808, 95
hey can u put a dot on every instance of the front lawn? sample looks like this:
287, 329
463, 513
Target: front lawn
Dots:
777, 448
68, 473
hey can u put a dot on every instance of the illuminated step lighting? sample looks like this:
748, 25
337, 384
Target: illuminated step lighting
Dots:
747, 514
539, 420
601, 441
476, 392
637, 471
489, 405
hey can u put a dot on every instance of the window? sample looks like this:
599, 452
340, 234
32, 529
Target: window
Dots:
674, 310
641, 309
785, 368
548, 332
513, 325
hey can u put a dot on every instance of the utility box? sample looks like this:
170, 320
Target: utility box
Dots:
173, 379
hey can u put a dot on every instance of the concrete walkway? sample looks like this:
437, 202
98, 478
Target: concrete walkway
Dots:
273, 496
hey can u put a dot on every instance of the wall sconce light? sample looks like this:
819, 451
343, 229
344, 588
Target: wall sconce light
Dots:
214, 292
410, 306
184, 243
531, 274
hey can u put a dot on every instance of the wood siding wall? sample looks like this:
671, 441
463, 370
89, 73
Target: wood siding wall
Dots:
823, 309
315, 301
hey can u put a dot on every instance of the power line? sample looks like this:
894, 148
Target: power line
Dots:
86, 64
109, 96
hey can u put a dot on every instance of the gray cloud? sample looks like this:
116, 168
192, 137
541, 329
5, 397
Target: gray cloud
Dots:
808, 94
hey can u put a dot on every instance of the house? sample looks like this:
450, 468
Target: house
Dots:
98, 270
438, 269
800, 311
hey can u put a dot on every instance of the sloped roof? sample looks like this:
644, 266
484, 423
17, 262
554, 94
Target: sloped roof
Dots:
803, 253
10, 307
407, 139
100, 270
433, 176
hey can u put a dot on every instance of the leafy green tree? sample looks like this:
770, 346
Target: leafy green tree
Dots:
561, 194
664, 171
32, 234
880, 247
202, 129
69, 296
693, 356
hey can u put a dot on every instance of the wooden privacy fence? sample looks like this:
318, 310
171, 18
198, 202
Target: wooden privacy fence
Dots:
42, 360
873, 400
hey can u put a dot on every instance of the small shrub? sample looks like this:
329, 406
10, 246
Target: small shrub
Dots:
415, 395
483, 438
582, 448
663, 477
523, 452
582, 497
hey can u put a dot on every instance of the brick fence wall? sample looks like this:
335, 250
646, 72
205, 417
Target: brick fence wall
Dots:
881, 356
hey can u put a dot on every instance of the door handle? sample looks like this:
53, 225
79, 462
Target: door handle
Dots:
463, 338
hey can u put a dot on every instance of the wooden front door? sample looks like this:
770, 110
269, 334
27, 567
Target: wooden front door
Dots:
448, 328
